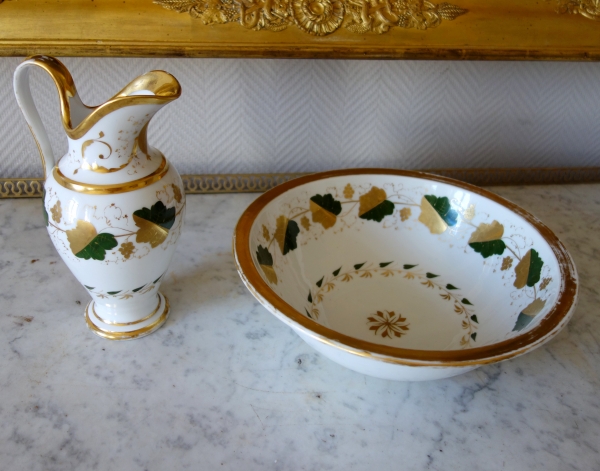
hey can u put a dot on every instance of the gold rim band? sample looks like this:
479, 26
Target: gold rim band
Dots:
123, 324
91, 189
474, 356
128, 335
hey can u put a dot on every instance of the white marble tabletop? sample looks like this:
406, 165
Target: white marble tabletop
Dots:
225, 385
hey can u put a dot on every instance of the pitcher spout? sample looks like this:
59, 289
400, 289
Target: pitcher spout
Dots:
101, 150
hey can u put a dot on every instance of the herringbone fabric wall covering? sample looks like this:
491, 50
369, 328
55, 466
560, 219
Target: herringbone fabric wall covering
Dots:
263, 116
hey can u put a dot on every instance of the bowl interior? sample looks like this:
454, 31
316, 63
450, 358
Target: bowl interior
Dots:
405, 262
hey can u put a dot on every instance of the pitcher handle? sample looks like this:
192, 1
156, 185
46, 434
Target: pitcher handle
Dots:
72, 108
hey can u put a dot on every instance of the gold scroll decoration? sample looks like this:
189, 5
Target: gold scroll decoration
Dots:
588, 8
319, 17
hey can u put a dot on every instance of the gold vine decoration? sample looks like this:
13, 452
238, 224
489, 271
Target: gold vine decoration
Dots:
319, 17
461, 305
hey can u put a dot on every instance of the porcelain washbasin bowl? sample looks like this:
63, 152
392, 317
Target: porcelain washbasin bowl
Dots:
404, 275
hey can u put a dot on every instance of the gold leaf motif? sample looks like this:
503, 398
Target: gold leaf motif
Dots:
280, 230
149, 232
405, 213
387, 273
127, 249
315, 312
348, 191
81, 236
265, 233
371, 199
366, 274
534, 308
522, 271
320, 215
56, 211
409, 275
506, 263
430, 217
486, 232
545, 283
176, 192
428, 283
329, 286
347, 277
269, 273
469, 213
305, 222
449, 12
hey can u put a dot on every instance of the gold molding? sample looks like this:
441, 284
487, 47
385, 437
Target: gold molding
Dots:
490, 30
319, 17
260, 182
588, 8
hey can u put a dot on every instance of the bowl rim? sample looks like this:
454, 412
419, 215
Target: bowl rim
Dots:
551, 324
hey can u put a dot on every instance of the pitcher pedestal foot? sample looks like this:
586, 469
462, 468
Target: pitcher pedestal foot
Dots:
130, 330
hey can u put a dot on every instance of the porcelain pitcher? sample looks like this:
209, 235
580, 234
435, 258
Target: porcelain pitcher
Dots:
113, 205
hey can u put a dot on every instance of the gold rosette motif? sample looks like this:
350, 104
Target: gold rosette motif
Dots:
318, 17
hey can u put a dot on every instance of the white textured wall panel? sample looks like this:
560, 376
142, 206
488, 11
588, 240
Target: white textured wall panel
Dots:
255, 116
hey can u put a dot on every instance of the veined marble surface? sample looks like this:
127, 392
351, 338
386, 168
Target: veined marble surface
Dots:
225, 385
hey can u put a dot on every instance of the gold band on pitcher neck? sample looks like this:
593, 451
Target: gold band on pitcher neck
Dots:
91, 189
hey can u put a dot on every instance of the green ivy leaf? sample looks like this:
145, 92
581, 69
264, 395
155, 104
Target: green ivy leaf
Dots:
449, 286
159, 214
320, 282
474, 318
431, 275
309, 297
522, 322
291, 233
528, 270
46, 220
383, 209
88, 287
358, 266
97, 247
155, 281
474, 336
489, 248
383, 265
328, 203
443, 207
337, 272
466, 301
264, 257
535, 268
307, 313
112, 293
137, 289
408, 267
